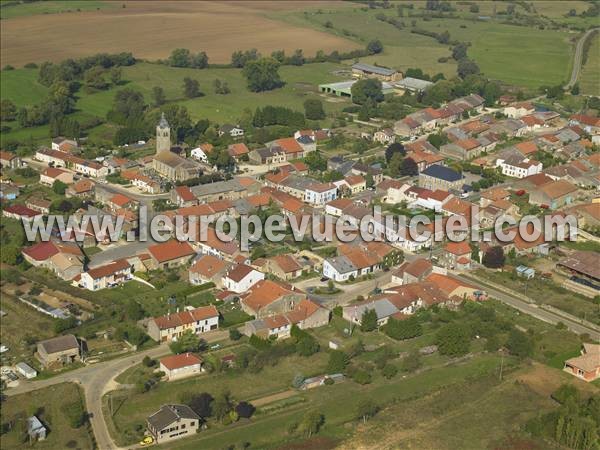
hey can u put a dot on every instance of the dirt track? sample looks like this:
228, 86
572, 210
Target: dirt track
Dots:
152, 29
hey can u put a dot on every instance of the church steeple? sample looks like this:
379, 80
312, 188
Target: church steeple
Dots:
163, 136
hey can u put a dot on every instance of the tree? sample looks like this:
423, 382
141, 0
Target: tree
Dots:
234, 334
519, 344
313, 109
158, 95
297, 59
454, 340
403, 329
368, 320
365, 89
8, 110
221, 405
94, 78
65, 324
374, 47
128, 107
366, 409
191, 87
180, 57
467, 67
437, 139
187, 342
201, 404
59, 187
395, 165
199, 60
409, 167
307, 345
311, 423
337, 363
494, 257
389, 371
115, 75
575, 89
459, 51
245, 409
221, 87
394, 148
262, 75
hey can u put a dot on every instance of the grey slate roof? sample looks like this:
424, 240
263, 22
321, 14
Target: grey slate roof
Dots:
218, 187
163, 122
374, 69
442, 172
383, 308
342, 264
59, 344
168, 414
414, 84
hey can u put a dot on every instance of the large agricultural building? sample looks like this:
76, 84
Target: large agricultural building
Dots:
344, 88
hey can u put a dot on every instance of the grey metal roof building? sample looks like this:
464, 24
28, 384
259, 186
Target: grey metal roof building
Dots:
414, 84
384, 71
442, 172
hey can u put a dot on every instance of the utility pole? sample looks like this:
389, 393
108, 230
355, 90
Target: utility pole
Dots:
501, 362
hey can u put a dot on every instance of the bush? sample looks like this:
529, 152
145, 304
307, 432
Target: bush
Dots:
245, 409
361, 376
234, 334
389, 371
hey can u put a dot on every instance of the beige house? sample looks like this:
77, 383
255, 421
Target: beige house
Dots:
170, 327
58, 351
172, 422
180, 366
267, 298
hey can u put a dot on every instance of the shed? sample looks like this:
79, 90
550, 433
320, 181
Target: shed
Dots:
35, 429
26, 370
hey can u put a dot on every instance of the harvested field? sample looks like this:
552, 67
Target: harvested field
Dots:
152, 29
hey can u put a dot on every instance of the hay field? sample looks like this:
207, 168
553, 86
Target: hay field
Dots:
152, 29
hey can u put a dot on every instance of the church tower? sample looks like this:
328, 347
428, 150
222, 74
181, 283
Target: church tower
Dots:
163, 136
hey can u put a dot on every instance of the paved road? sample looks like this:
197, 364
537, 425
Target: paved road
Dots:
578, 59
97, 380
533, 309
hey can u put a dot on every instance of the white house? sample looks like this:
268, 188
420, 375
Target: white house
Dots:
320, 193
109, 275
339, 268
385, 136
518, 110
201, 152
241, 278
231, 130
520, 169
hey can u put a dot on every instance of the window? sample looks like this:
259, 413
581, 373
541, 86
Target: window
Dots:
192, 423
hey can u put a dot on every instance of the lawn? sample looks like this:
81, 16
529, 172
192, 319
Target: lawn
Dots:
49, 405
590, 74
21, 87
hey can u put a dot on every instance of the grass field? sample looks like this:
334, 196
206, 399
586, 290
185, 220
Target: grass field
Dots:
48, 404
524, 56
21, 87
152, 29
51, 7
589, 80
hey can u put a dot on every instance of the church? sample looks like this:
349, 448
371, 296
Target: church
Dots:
168, 164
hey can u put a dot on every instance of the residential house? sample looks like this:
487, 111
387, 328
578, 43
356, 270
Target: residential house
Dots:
317, 194
145, 184
412, 272
39, 204
108, 275
212, 245
554, 194
351, 185
285, 267
590, 124
10, 160
81, 189
457, 255
456, 289
269, 297
201, 152
182, 196
440, 177
587, 365
238, 151
231, 130
207, 269
306, 314
493, 194
368, 171
172, 253
336, 207
62, 144
172, 422
518, 110
241, 278
21, 212
180, 366
9, 191
385, 136
52, 174
462, 149
519, 167
59, 350
65, 259
171, 326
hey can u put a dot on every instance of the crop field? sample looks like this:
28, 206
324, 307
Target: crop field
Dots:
151, 30
590, 73
523, 56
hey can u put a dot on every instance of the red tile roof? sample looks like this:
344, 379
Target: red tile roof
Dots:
208, 266
289, 145
53, 172
108, 269
238, 149
266, 292
287, 263
239, 272
458, 248
186, 317
170, 250
120, 200
21, 210
180, 361
185, 193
